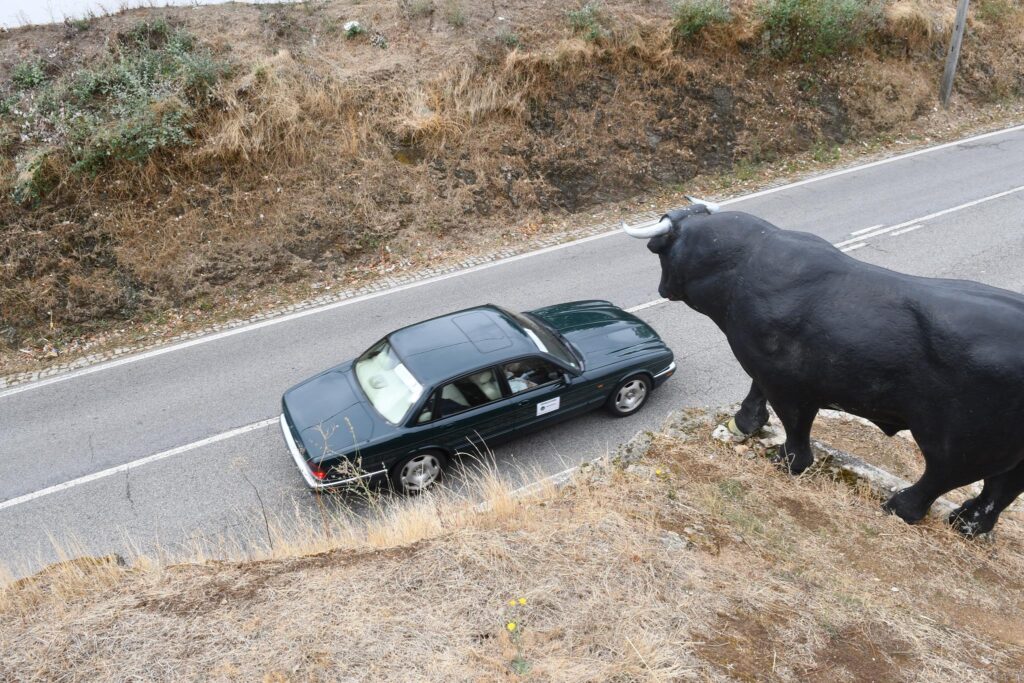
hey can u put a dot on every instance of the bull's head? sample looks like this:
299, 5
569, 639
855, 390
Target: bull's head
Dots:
663, 239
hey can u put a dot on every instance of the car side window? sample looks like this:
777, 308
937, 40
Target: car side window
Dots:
427, 413
467, 392
523, 375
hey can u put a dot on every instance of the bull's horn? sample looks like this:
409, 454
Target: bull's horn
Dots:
711, 206
660, 228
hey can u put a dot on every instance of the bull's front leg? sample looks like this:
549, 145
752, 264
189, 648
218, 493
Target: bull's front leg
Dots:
796, 455
752, 415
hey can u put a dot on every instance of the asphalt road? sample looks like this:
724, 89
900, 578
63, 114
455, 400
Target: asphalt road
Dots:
164, 450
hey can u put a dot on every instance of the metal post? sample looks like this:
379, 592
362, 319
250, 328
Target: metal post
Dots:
954, 52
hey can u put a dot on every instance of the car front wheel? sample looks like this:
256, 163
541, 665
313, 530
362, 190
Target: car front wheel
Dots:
418, 472
629, 396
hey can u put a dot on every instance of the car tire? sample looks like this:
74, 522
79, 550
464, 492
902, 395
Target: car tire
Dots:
418, 472
629, 395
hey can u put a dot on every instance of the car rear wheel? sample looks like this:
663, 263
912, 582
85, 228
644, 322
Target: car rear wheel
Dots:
629, 396
418, 472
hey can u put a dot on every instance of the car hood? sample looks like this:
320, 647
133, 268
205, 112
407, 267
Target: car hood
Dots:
330, 414
601, 331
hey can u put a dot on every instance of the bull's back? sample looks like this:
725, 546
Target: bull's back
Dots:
821, 322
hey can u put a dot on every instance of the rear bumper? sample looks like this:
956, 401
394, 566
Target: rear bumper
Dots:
307, 474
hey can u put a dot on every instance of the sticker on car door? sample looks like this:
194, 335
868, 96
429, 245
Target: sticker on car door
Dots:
549, 406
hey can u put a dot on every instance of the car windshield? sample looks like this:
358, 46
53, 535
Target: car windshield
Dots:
547, 340
390, 387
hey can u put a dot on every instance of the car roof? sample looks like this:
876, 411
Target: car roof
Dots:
443, 347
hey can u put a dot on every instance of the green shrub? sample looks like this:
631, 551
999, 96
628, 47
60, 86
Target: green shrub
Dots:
690, 17
817, 28
420, 8
353, 29
143, 96
588, 21
34, 177
454, 14
995, 11
509, 38
28, 75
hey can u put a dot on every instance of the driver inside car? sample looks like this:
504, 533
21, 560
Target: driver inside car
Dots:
518, 376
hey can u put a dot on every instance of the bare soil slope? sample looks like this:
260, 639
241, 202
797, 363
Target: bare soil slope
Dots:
178, 157
694, 562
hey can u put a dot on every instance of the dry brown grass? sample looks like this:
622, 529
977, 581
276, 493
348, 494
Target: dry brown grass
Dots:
318, 151
919, 23
693, 563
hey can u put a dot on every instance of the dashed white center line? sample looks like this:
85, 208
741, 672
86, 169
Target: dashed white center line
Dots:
868, 233
854, 247
864, 230
910, 229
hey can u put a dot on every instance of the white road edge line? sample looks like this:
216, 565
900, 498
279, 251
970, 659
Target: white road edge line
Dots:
854, 247
930, 216
419, 283
138, 463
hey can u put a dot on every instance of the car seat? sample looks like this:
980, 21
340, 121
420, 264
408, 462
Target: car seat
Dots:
452, 393
489, 387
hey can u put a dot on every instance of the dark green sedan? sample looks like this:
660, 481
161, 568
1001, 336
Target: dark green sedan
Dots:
462, 382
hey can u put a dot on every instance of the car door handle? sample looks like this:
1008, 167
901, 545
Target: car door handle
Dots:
524, 403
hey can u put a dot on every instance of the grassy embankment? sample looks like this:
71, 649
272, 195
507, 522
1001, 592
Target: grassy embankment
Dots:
683, 560
162, 166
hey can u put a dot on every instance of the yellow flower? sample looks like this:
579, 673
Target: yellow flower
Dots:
522, 601
511, 626
512, 603
657, 472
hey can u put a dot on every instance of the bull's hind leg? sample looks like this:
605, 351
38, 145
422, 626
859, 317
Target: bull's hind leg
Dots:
753, 413
979, 515
942, 474
795, 455
912, 503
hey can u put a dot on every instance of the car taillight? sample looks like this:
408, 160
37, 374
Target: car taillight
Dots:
317, 472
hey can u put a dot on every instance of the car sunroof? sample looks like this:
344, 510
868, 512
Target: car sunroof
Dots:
482, 332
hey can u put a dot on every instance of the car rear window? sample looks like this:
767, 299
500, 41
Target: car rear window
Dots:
388, 384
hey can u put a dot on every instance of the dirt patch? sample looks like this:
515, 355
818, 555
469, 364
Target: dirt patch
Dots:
325, 159
741, 645
867, 654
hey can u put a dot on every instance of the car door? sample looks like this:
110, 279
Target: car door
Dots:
469, 413
543, 392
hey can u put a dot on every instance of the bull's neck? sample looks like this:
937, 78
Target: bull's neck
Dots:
710, 290
712, 296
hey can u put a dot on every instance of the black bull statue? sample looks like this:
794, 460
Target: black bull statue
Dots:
815, 328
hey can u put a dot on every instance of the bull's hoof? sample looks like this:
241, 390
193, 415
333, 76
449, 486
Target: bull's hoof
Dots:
971, 521
789, 463
740, 425
903, 508
729, 433
735, 430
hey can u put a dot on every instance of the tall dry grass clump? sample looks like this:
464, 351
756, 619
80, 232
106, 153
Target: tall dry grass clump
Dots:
920, 24
278, 113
